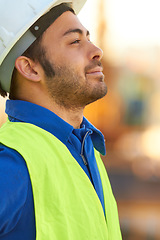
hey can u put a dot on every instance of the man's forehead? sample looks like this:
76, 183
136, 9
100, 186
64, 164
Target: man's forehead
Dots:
67, 24
77, 30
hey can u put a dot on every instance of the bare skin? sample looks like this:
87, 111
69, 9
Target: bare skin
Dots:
78, 78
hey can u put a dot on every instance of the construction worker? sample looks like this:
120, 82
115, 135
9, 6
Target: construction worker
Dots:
53, 184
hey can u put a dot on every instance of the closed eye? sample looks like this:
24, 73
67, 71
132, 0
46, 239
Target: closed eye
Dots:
76, 41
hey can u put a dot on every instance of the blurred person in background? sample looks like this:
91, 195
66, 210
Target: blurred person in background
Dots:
53, 182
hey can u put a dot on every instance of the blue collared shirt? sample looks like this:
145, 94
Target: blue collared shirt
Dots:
17, 208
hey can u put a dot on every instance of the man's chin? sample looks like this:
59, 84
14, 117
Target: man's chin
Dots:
98, 94
95, 77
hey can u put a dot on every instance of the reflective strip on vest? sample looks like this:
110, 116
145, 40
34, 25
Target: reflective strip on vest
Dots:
66, 204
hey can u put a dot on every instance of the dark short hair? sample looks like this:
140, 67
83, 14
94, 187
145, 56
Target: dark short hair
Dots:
2, 92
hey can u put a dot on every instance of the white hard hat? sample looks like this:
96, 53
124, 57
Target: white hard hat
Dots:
16, 17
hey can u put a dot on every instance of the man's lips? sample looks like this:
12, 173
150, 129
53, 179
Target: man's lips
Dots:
95, 71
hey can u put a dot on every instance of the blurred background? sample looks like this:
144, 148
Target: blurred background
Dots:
129, 116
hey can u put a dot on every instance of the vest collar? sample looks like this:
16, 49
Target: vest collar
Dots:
22, 111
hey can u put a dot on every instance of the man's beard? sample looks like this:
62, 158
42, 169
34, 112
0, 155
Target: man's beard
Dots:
69, 89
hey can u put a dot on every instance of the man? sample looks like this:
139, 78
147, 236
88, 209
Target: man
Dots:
53, 182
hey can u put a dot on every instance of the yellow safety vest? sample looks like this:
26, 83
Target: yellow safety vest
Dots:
66, 204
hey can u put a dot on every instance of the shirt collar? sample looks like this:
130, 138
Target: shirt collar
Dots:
31, 113
97, 137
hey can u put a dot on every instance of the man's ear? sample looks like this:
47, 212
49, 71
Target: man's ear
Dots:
27, 68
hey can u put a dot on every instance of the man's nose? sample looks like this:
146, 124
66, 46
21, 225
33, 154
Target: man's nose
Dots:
96, 52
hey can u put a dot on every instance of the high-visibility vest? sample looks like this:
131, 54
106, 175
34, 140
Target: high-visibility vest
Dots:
66, 204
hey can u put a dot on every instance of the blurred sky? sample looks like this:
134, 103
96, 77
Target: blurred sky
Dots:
130, 23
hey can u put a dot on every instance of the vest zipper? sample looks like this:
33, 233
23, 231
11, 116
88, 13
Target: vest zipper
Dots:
84, 160
82, 148
83, 157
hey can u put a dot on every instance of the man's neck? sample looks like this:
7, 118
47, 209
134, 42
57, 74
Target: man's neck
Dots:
73, 117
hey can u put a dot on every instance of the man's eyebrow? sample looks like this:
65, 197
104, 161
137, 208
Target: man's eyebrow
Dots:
76, 30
